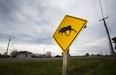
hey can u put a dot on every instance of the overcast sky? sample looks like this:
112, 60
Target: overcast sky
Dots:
31, 24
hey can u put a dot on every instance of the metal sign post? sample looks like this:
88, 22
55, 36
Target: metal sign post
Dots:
65, 66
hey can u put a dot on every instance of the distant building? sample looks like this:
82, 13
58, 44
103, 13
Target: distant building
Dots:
23, 54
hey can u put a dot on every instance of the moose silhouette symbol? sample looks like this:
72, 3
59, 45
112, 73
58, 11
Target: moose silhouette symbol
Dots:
65, 29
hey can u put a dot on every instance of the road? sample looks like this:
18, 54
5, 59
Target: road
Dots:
7, 60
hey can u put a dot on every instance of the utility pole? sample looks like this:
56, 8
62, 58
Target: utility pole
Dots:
107, 31
8, 46
110, 43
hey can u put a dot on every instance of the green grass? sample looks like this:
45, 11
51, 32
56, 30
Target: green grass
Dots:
77, 66
107, 68
31, 68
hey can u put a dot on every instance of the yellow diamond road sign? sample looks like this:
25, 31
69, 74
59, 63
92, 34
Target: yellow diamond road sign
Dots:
68, 30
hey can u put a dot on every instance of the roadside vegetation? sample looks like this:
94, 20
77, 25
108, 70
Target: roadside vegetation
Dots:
77, 66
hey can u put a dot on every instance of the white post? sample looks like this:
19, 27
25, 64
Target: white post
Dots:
65, 63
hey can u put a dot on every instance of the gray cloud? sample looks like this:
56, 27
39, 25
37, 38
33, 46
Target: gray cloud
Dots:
34, 22
25, 23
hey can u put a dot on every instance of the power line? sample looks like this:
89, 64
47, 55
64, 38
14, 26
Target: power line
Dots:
107, 7
98, 16
110, 29
107, 10
101, 8
96, 9
107, 31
